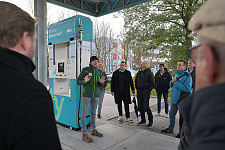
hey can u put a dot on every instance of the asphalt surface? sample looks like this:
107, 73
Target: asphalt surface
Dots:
120, 136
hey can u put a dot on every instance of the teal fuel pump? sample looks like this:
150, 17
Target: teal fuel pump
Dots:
69, 45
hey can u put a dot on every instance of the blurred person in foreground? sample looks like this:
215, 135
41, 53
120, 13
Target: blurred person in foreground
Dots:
27, 117
204, 111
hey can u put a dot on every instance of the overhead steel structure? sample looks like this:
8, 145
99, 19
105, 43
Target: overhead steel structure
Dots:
91, 7
96, 7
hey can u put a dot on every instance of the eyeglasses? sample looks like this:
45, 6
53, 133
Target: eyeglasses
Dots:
192, 52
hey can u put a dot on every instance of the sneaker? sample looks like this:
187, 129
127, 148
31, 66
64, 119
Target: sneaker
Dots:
120, 119
141, 123
178, 135
99, 116
96, 133
167, 130
167, 116
129, 120
158, 114
86, 138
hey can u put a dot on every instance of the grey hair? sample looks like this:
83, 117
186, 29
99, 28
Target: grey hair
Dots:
147, 63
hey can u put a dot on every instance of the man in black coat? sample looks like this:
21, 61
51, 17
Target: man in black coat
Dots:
191, 68
162, 80
120, 88
27, 117
144, 83
204, 111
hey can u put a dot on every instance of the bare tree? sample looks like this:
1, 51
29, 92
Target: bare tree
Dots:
103, 41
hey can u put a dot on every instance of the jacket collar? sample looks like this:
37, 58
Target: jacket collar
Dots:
182, 71
16, 60
122, 71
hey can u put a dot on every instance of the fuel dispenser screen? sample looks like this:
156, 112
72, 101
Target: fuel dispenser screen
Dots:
61, 67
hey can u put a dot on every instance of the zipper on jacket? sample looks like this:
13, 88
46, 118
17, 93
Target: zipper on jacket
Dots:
94, 83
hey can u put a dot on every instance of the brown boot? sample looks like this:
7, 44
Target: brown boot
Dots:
96, 133
86, 138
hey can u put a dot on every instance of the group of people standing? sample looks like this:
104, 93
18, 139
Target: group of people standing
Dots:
121, 84
200, 123
26, 105
145, 81
181, 88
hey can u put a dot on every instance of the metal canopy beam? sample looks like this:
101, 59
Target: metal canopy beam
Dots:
97, 7
92, 7
40, 9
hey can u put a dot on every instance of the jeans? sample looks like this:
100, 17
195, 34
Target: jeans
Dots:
165, 96
102, 93
143, 98
85, 104
173, 112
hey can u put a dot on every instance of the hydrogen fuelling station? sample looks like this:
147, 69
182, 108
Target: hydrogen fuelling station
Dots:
69, 45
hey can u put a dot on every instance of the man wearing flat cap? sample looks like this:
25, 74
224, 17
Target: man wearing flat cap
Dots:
92, 79
204, 111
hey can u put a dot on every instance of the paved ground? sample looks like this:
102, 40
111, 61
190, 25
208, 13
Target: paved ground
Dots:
110, 113
120, 136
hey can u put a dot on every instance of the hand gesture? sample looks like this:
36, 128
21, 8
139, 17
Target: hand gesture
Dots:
102, 79
87, 78
174, 79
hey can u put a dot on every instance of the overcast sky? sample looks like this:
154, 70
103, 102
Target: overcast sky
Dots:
116, 23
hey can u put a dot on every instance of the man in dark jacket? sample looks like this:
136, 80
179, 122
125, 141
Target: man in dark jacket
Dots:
204, 111
191, 68
144, 83
162, 80
92, 79
27, 117
120, 88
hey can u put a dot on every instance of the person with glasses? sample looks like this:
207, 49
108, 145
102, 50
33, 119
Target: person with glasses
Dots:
204, 111
181, 86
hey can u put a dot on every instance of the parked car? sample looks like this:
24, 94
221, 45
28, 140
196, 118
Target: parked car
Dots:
109, 76
132, 72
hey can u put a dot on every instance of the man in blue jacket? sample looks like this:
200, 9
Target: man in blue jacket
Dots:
181, 87
204, 111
